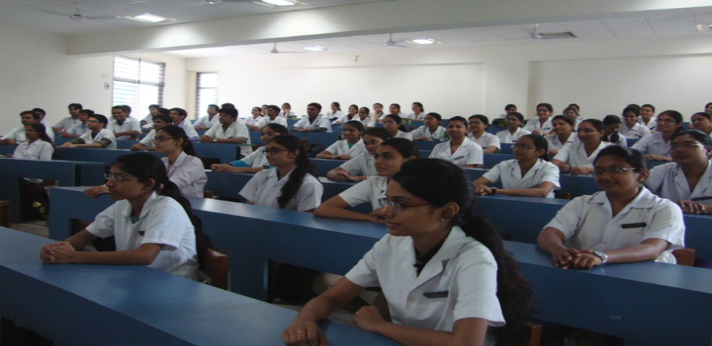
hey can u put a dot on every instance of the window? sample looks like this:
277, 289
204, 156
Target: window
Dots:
138, 83
206, 93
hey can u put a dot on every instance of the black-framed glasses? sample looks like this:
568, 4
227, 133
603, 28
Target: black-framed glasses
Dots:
611, 170
398, 207
666, 121
117, 177
273, 151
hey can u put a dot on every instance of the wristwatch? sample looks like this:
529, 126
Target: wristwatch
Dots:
494, 191
602, 256
215, 140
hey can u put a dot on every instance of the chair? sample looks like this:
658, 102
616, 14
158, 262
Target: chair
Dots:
562, 194
685, 256
5, 213
215, 265
526, 333
207, 194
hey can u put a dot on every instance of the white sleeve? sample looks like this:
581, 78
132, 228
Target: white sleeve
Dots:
241, 131
358, 194
477, 290
352, 166
103, 225
190, 132
364, 273
655, 179
494, 174
667, 224
325, 123
302, 123
342, 119
201, 122
146, 141
563, 154
166, 224
282, 121
212, 131
643, 143
192, 172
135, 126
407, 135
567, 219
249, 191
475, 156
309, 195
250, 159
551, 174
417, 132
333, 148
46, 151
494, 142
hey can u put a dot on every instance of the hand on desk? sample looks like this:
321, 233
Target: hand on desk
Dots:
95, 191
564, 257
482, 190
377, 216
304, 334
689, 207
369, 319
587, 260
57, 253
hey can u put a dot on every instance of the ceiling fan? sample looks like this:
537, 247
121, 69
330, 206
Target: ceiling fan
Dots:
78, 16
277, 51
392, 43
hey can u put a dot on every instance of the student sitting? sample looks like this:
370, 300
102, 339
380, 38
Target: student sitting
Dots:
179, 115
647, 118
17, 135
290, 184
611, 125
68, 122
122, 125
573, 113
478, 134
34, 200
394, 125
514, 128
347, 148
378, 113
528, 174
153, 110
390, 155
256, 113
81, 127
314, 121
657, 145
362, 166
462, 283
335, 112
147, 143
286, 111
458, 150
153, 224
418, 112
702, 121
351, 115
364, 117
207, 121
687, 180
623, 223
577, 158
231, 130
542, 125
631, 127
257, 161
561, 134
271, 118
96, 137
431, 130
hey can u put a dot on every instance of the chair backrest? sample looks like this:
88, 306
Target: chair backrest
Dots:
207, 194
685, 256
215, 265
562, 194
527, 333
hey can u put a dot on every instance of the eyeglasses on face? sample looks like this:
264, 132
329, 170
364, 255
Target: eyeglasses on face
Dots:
611, 170
666, 121
273, 151
398, 207
686, 145
117, 177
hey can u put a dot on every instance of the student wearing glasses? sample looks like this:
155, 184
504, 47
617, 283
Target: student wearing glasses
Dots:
577, 158
364, 117
687, 180
442, 268
257, 161
363, 165
528, 174
152, 223
291, 184
459, 150
478, 134
431, 130
96, 137
656, 146
393, 123
147, 143
349, 147
514, 128
623, 223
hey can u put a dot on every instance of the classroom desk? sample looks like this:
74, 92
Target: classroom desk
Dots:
320, 138
505, 148
323, 166
125, 143
223, 152
7, 149
66, 173
607, 299
426, 145
136, 305
106, 156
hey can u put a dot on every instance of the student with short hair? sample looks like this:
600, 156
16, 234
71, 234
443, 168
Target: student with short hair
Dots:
623, 223
147, 143
73, 118
657, 145
122, 125
272, 117
314, 121
351, 115
231, 130
430, 219
349, 147
478, 133
42, 114
257, 161
541, 125
211, 119
290, 184
96, 137
152, 223
458, 149
708, 108
153, 110
528, 174
647, 118
611, 125
687, 180
17, 135
363, 165
179, 115
81, 127
514, 128
631, 127
390, 155
394, 125
431, 129
562, 133
577, 158
702, 121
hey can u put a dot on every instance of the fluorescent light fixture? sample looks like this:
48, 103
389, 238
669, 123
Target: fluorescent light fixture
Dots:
280, 2
704, 27
423, 41
149, 18
315, 48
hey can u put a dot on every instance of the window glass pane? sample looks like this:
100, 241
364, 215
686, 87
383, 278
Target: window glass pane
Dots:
207, 92
137, 83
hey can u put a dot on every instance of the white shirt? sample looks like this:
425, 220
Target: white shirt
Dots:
469, 153
555, 143
587, 223
78, 129
189, 130
321, 121
67, 123
535, 125
424, 131
254, 160
669, 181
368, 122
653, 144
506, 137
463, 268
251, 120
148, 140
266, 120
237, 129
206, 122
281, 114
337, 114
264, 189
130, 124
510, 173
363, 164
345, 118
574, 154
406, 135
18, 134
38, 150
342, 147
367, 191
418, 116
188, 173
486, 140
637, 131
651, 124
162, 221
104, 133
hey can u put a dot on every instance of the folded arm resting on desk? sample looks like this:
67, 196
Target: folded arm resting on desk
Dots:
66, 252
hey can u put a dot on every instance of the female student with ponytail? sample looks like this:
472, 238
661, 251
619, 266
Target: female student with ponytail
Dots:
153, 224
257, 161
611, 126
459, 149
528, 174
462, 282
390, 155
290, 184
657, 145
33, 197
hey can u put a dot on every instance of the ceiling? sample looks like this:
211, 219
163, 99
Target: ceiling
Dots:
53, 16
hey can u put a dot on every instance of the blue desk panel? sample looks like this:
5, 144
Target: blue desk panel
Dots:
135, 305
323, 166
125, 143
491, 160
225, 152
320, 138
426, 145
615, 298
7, 149
505, 148
106, 156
